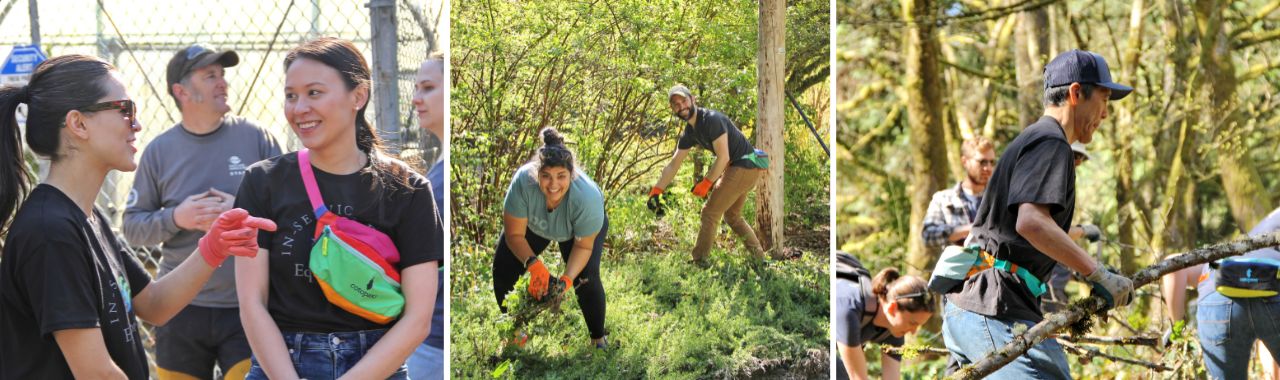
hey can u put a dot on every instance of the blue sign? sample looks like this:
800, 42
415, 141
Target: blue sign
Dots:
22, 60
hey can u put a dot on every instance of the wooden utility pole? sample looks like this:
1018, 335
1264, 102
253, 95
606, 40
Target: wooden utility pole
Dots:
770, 74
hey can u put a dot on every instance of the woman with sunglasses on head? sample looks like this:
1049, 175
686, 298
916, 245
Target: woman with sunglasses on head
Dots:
295, 328
875, 310
69, 292
551, 200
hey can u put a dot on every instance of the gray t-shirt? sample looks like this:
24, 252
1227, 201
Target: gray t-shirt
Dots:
177, 164
580, 214
1268, 225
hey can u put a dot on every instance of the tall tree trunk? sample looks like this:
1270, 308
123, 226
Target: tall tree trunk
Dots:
1124, 140
1240, 179
924, 109
1178, 204
1030, 54
770, 70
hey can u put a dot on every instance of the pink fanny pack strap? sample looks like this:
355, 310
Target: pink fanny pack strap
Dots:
309, 181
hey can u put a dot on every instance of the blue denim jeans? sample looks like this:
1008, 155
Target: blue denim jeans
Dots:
971, 336
426, 363
1228, 327
320, 356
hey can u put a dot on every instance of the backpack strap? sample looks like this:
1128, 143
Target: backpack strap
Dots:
309, 181
868, 299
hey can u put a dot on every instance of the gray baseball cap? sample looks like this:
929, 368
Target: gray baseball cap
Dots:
194, 57
681, 90
1079, 66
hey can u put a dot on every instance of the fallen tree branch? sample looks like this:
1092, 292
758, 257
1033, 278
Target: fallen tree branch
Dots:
1089, 353
1124, 340
890, 350
1089, 306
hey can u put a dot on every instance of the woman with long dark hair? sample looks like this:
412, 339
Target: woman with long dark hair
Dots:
295, 330
69, 292
551, 200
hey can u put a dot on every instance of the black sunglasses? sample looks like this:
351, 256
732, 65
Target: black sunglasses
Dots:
126, 107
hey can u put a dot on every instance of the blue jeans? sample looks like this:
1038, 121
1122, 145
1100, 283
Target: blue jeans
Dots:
971, 336
426, 363
319, 356
1228, 327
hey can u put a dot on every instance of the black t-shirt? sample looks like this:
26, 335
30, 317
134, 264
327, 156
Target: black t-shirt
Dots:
273, 189
61, 272
1035, 168
710, 126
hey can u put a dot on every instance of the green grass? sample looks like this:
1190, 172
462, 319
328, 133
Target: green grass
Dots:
666, 317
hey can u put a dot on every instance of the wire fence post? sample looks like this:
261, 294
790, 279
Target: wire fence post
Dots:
382, 17
35, 22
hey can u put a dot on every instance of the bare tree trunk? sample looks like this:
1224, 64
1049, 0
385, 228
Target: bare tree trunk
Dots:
1175, 229
1124, 140
1247, 199
924, 109
771, 61
1030, 54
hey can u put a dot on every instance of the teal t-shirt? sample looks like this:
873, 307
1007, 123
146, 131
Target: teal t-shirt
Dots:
580, 214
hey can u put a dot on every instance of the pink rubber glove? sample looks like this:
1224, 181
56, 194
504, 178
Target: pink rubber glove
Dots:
235, 233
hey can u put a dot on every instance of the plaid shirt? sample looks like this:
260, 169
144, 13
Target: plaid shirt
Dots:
947, 210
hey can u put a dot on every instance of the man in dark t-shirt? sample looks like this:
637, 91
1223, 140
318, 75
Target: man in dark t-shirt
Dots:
1023, 222
737, 167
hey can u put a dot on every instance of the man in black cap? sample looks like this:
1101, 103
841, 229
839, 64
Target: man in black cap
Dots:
187, 177
1022, 226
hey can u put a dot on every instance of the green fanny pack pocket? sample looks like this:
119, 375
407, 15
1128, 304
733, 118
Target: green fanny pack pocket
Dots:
1247, 277
758, 158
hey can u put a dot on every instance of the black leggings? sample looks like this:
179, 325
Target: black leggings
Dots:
507, 269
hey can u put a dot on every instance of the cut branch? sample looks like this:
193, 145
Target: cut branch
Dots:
1089, 353
1124, 340
890, 350
1056, 321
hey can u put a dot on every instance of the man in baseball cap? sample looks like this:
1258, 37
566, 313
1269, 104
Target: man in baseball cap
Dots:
195, 57
737, 168
1022, 223
188, 175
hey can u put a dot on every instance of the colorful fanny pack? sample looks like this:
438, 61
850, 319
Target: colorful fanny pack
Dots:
1247, 277
959, 263
758, 158
352, 262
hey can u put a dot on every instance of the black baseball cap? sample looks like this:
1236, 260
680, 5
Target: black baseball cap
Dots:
1079, 66
194, 57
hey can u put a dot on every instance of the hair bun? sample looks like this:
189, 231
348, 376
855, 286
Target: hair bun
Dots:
552, 137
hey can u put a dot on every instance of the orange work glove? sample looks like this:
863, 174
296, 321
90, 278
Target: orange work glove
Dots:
655, 203
702, 188
568, 283
235, 233
538, 279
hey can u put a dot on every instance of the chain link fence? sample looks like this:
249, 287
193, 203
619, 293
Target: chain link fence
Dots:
140, 36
